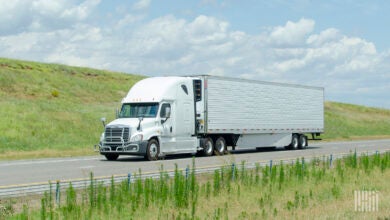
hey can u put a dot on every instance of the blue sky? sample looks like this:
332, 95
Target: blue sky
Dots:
340, 45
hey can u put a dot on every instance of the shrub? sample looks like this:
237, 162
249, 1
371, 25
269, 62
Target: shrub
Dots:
55, 93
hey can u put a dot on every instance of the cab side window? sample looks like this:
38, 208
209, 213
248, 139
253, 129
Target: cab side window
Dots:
163, 108
184, 87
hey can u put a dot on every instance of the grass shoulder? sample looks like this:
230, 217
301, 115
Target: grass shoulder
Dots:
302, 190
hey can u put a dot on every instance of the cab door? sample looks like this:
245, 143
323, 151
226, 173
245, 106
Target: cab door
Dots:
185, 119
168, 140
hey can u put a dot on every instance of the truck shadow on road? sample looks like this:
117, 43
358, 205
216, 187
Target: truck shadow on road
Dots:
230, 152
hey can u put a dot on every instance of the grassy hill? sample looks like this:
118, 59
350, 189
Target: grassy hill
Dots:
54, 110
347, 121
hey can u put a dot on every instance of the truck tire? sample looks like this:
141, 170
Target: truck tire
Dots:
111, 157
152, 150
302, 142
220, 146
208, 147
294, 142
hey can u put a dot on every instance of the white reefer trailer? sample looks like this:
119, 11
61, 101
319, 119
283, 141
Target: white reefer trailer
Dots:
206, 114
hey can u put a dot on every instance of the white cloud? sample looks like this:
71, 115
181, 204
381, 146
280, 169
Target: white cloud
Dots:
292, 34
350, 68
207, 29
42, 15
14, 16
129, 19
81, 11
141, 4
328, 35
218, 71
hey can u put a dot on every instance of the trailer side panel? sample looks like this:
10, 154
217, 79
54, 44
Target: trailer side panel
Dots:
243, 106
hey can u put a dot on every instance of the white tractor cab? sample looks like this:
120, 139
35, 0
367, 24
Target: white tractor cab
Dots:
157, 118
174, 115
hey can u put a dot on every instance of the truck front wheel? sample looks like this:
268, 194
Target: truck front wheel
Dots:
208, 147
152, 150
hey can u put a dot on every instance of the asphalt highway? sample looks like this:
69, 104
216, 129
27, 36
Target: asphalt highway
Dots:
26, 172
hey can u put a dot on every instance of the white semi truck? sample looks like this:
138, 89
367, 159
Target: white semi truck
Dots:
206, 114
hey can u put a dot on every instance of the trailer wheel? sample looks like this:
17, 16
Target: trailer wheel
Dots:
302, 143
152, 150
208, 147
294, 142
111, 157
220, 146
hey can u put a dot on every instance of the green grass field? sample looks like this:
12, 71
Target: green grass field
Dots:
54, 110
302, 190
346, 121
50, 110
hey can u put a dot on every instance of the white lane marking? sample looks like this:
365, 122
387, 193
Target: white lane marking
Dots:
46, 161
362, 142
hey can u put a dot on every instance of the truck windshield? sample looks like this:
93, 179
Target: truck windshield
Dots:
136, 110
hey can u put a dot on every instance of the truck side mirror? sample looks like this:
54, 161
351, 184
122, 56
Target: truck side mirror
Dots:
166, 115
117, 113
167, 112
103, 120
139, 123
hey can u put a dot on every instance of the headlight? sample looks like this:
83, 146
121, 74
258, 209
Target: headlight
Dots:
102, 137
136, 138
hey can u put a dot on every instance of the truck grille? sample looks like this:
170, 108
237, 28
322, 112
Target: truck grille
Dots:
115, 136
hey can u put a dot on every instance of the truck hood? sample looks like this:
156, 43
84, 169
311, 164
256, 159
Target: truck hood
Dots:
131, 122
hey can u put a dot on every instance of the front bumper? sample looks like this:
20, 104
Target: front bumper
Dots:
135, 148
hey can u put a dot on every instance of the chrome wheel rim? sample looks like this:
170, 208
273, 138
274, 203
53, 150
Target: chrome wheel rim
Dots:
303, 142
220, 146
209, 147
153, 150
295, 142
